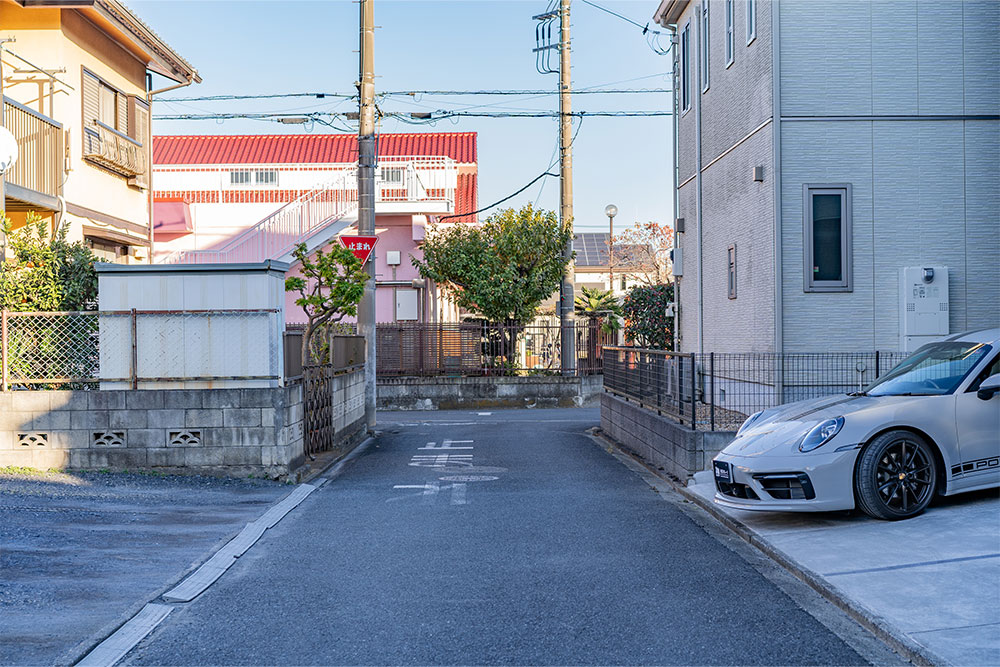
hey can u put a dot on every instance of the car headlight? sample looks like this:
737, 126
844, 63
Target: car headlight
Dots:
750, 420
820, 434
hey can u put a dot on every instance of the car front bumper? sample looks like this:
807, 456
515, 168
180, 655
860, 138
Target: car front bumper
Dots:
785, 483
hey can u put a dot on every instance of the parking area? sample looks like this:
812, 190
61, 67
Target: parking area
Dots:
934, 578
81, 552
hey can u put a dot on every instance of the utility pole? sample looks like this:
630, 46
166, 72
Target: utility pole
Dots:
566, 326
366, 195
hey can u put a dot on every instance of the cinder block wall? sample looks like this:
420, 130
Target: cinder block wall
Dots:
659, 441
464, 393
229, 431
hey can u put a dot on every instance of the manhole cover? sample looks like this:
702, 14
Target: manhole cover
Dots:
468, 478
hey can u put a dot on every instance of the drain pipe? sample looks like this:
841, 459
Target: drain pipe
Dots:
675, 121
698, 161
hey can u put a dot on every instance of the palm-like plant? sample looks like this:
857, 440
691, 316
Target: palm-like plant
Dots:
599, 305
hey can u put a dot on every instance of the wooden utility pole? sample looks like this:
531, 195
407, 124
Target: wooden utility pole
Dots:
366, 195
566, 324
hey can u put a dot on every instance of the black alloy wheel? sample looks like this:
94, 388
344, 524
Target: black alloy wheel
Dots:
896, 476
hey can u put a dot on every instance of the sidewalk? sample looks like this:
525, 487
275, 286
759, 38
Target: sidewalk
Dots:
80, 553
933, 580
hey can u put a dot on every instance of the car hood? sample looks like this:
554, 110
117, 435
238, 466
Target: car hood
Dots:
782, 427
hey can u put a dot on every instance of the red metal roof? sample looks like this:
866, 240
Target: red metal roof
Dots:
306, 148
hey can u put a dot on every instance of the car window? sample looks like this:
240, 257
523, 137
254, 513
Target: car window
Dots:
934, 369
991, 369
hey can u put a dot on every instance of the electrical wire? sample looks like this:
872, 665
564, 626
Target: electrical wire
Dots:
652, 36
497, 203
442, 114
412, 93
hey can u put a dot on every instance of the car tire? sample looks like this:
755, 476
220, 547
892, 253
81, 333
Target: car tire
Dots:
896, 476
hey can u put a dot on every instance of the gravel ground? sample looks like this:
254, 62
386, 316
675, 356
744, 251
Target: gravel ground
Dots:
80, 552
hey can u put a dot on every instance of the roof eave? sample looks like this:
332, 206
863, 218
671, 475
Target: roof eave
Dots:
161, 58
669, 11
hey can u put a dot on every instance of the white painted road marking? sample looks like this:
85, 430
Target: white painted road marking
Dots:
445, 445
440, 460
114, 648
429, 492
468, 478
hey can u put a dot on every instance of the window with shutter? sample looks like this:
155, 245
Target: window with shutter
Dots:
91, 98
138, 125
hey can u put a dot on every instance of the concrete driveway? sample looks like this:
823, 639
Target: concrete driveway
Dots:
81, 553
934, 578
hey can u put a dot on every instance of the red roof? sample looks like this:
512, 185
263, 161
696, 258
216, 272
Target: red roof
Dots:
306, 148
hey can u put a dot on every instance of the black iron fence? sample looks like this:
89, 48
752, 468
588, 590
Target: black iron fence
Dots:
718, 391
478, 349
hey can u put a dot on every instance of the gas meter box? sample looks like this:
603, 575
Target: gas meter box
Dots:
924, 306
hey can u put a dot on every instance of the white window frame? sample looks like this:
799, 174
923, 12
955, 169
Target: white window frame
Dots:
730, 33
846, 282
731, 270
266, 177
705, 44
685, 66
751, 21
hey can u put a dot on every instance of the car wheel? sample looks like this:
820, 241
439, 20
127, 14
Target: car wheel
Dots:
896, 476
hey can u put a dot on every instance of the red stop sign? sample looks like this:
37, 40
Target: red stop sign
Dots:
361, 246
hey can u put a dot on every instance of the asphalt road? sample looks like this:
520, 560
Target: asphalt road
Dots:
80, 553
503, 538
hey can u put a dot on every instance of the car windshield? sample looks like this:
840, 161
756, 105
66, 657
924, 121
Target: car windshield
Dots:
934, 369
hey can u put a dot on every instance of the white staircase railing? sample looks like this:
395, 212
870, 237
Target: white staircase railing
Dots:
277, 234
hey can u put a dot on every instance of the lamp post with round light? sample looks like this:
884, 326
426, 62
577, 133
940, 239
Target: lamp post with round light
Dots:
611, 211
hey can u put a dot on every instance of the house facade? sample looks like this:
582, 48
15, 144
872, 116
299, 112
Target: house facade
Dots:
836, 172
593, 270
76, 96
249, 198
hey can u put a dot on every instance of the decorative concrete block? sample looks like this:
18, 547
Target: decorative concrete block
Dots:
203, 418
31, 401
128, 419
165, 418
90, 419
146, 437
144, 399
106, 400
241, 417
183, 399
187, 437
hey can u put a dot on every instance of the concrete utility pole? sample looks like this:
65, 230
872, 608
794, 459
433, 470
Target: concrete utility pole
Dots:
366, 196
567, 329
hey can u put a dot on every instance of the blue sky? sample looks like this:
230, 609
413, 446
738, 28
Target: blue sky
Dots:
242, 47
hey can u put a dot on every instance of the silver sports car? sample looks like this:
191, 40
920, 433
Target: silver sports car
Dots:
930, 426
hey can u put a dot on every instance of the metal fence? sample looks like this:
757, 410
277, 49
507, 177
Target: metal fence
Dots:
121, 349
718, 391
478, 349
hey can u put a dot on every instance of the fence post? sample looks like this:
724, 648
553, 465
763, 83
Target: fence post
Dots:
876, 365
134, 370
711, 387
3, 350
694, 424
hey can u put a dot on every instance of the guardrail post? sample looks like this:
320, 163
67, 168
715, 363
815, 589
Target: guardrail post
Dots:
3, 350
134, 370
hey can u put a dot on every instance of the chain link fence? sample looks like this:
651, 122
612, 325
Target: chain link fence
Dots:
718, 391
121, 349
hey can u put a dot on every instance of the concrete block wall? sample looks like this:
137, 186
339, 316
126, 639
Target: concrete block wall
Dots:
464, 393
231, 431
659, 441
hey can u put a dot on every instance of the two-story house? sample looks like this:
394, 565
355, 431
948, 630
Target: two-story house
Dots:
76, 79
250, 198
836, 172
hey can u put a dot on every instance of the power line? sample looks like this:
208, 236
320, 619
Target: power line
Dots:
321, 117
497, 203
413, 93
652, 36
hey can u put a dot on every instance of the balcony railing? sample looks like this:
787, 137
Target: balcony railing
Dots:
39, 143
114, 150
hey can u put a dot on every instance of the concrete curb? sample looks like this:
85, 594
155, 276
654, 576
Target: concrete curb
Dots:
868, 619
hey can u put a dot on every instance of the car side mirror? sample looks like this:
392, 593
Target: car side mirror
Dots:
989, 388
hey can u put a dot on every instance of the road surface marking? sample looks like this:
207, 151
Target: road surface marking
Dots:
445, 445
428, 493
468, 478
440, 460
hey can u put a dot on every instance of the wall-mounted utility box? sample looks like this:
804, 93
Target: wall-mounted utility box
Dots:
677, 261
924, 306
392, 257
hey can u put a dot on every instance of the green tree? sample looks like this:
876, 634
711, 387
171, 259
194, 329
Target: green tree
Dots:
330, 288
646, 321
46, 274
502, 269
599, 307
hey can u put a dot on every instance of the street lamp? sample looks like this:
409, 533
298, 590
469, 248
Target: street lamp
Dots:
611, 211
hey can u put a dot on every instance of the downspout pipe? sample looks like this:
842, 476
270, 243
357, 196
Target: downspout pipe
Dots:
779, 343
698, 184
675, 121
149, 134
